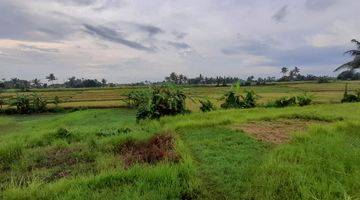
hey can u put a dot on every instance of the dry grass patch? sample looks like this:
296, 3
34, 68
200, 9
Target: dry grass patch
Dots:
275, 131
151, 151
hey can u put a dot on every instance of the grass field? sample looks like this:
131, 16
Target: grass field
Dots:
112, 97
74, 155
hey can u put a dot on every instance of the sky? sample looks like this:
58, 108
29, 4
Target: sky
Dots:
136, 40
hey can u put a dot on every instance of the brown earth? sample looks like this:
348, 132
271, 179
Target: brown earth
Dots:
151, 151
276, 131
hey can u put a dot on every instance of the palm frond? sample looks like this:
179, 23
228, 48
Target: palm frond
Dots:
353, 52
346, 65
356, 42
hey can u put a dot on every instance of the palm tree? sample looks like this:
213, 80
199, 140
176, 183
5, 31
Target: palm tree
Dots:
51, 78
355, 64
36, 82
284, 70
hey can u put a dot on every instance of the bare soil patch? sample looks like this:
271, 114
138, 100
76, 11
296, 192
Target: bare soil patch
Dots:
151, 151
276, 131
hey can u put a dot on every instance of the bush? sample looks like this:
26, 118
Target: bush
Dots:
158, 101
38, 104
233, 100
304, 100
284, 102
206, 105
63, 133
348, 98
29, 104
22, 104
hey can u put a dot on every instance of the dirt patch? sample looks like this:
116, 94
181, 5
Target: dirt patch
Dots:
151, 151
277, 131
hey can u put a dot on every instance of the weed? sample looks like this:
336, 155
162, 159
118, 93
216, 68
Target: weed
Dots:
206, 105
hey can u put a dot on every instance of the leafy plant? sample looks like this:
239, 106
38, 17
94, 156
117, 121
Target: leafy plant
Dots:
348, 98
22, 103
158, 101
304, 100
206, 105
234, 100
56, 101
284, 102
63, 133
38, 104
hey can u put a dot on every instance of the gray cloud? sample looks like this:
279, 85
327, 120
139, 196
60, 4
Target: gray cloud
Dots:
280, 15
32, 47
113, 36
149, 29
77, 2
304, 55
179, 35
319, 4
179, 45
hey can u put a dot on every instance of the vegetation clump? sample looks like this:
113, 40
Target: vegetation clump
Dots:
282, 102
29, 104
348, 98
156, 149
234, 100
206, 105
158, 101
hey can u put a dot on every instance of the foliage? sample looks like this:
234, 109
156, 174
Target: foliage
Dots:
139, 97
355, 63
206, 105
304, 100
29, 104
348, 98
284, 102
235, 100
22, 103
158, 101
56, 100
62, 133
38, 104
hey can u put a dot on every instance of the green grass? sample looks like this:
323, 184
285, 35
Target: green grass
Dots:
217, 162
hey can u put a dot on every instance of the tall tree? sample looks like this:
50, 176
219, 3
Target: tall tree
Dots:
51, 78
36, 82
355, 63
284, 70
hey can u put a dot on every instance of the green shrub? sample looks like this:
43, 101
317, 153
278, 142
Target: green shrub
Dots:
56, 101
304, 100
348, 98
284, 102
206, 105
158, 101
233, 100
22, 103
38, 104
63, 133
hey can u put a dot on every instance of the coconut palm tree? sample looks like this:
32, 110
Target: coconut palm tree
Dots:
51, 78
36, 82
355, 64
284, 70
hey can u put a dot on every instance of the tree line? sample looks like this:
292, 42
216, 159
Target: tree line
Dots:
72, 82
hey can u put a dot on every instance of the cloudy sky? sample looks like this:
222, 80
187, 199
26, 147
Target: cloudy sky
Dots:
134, 40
